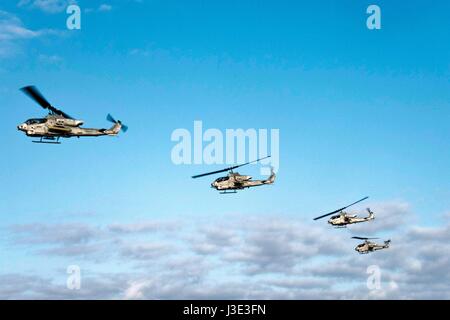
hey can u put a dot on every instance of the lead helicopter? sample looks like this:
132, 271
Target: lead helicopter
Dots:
58, 124
342, 219
235, 181
368, 246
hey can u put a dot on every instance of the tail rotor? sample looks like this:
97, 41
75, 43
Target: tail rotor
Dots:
123, 127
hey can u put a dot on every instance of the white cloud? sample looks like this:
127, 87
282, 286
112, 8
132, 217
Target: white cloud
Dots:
142, 227
70, 233
388, 216
101, 8
49, 6
135, 290
146, 250
104, 7
13, 33
11, 28
53, 59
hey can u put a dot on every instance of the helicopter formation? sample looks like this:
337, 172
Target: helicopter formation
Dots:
58, 124
342, 219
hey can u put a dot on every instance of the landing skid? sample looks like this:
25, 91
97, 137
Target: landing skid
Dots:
228, 192
42, 140
46, 142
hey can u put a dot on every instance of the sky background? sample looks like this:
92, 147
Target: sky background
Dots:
360, 112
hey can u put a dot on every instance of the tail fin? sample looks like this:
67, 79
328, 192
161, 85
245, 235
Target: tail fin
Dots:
371, 214
272, 177
118, 125
114, 130
387, 243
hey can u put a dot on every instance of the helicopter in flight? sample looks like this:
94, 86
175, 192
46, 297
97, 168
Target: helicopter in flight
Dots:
368, 246
58, 124
342, 219
235, 181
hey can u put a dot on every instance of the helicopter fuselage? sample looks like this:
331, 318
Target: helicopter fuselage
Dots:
343, 219
56, 126
369, 246
235, 181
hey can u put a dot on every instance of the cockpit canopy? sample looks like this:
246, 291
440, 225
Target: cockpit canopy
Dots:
35, 121
222, 179
335, 217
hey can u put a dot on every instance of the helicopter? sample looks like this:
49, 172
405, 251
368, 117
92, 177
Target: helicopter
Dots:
368, 246
235, 181
58, 124
342, 219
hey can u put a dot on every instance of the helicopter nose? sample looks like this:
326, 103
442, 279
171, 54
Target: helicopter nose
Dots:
21, 127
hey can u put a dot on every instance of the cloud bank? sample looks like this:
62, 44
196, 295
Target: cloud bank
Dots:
259, 257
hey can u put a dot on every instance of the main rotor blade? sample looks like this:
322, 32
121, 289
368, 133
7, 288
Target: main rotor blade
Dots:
356, 202
329, 214
213, 172
33, 93
339, 210
59, 112
244, 164
364, 238
227, 169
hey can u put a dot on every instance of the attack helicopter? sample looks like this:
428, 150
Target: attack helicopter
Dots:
342, 219
368, 246
235, 181
58, 124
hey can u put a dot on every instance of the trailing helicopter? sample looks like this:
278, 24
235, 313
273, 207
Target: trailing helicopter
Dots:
368, 246
342, 219
235, 181
58, 124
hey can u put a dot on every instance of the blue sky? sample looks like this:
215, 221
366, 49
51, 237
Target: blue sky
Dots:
360, 112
